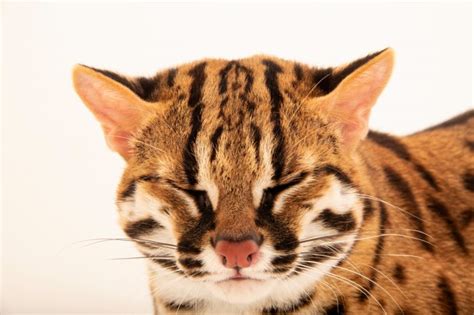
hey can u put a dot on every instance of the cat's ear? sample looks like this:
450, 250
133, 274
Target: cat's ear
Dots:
354, 89
115, 102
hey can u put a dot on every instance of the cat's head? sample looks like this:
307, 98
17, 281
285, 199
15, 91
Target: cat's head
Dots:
240, 182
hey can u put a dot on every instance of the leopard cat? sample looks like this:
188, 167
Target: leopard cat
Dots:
254, 186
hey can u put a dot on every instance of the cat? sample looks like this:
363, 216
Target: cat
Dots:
254, 186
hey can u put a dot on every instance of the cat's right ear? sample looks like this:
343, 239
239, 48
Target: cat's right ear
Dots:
120, 111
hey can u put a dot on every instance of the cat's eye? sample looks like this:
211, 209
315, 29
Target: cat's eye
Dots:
149, 178
201, 199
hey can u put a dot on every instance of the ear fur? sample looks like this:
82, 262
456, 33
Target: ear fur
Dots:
351, 100
119, 110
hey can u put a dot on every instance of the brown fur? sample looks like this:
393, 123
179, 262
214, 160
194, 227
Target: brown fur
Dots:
409, 277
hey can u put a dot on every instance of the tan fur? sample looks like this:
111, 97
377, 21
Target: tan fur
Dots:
313, 137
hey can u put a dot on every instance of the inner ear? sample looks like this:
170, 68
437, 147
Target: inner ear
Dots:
353, 91
115, 103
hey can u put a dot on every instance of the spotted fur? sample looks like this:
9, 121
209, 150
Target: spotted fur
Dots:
231, 147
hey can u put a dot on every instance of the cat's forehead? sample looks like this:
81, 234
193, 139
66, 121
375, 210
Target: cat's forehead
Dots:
233, 116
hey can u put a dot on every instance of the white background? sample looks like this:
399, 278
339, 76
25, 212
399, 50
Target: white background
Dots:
59, 178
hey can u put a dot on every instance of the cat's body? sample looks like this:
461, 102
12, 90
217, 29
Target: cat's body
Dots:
252, 190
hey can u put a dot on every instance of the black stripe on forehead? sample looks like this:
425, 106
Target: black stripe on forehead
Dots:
215, 142
195, 96
276, 100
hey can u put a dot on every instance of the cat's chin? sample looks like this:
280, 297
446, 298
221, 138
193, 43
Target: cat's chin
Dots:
241, 291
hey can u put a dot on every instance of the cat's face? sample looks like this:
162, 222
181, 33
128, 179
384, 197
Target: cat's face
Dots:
240, 183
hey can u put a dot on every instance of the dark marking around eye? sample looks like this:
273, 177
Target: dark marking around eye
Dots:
441, 211
364, 294
329, 169
446, 297
276, 99
399, 273
145, 226
340, 222
399, 184
149, 178
191, 238
468, 180
129, 190
181, 306
190, 263
398, 148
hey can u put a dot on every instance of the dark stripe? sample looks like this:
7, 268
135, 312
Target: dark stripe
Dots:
398, 148
298, 71
403, 188
426, 175
145, 226
364, 295
458, 120
190, 263
190, 163
283, 260
368, 209
179, 306
276, 100
470, 145
192, 237
143, 87
335, 309
329, 79
199, 77
256, 138
340, 222
171, 77
441, 211
305, 300
283, 236
390, 143
129, 190
399, 273
215, 142
466, 217
168, 264
189, 157
468, 180
223, 77
329, 169
446, 297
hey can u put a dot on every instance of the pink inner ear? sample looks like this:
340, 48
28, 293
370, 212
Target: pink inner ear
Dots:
119, 111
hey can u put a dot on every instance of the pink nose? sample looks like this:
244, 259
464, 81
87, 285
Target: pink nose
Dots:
237, 254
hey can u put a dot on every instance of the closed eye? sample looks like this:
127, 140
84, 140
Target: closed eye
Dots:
275, 190
271, 193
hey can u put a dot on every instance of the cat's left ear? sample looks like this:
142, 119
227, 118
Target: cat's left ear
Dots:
355, 90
